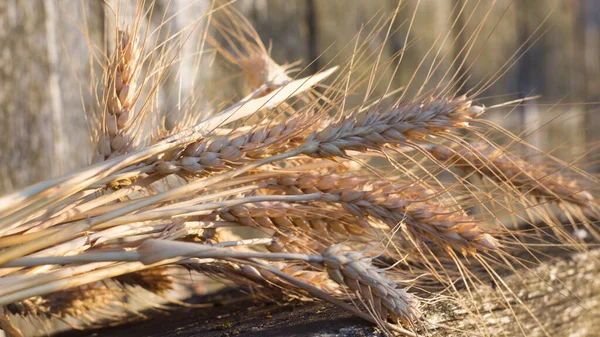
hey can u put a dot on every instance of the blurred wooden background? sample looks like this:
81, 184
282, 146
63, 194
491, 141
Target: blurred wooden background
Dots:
45, 61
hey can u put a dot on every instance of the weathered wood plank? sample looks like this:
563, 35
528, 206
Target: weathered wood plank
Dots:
43, 130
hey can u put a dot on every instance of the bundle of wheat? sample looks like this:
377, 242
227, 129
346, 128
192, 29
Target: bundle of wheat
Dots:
295, 166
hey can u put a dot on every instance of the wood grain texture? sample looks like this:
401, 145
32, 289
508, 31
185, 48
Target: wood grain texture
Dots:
43, 130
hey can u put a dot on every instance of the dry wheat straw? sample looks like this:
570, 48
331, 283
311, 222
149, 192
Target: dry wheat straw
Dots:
366, 130
347, 268
20, 204
246, 50
246, 274
260, 70
297, 242
316, 278
7, 326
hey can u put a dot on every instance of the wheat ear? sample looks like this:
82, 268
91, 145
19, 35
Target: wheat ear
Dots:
156, 280
74, 302
120, 95
251, 56
224, 152
410, 122
395, 204
381, 294
306, 218
535, 179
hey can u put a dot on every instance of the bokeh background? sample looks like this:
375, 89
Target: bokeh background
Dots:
46, 72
